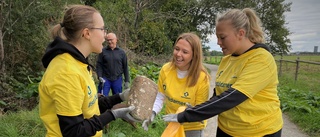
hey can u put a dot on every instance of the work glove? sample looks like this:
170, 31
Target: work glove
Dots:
126, 85
147, 122
124, 113
124, 95
101, 80
170, 118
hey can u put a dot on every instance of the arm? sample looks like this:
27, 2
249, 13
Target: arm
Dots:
125, 68
202, 94
99, 65
76, 126
107, 102
214, 106
158, 104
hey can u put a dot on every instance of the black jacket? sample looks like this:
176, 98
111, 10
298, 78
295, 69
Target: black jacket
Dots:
112, 64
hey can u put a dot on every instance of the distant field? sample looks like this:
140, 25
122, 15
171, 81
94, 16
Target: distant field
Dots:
301, 57
308, 76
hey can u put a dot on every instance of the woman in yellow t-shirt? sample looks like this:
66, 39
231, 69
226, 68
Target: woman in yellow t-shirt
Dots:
68, 96
183, 81
245, 99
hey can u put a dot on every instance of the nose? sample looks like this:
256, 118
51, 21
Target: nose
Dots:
179, 53
218, 41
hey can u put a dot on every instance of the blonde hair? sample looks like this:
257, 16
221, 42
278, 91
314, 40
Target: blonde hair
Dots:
196, 65
76, 18
246, 19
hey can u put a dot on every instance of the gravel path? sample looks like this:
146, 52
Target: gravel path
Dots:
289, 129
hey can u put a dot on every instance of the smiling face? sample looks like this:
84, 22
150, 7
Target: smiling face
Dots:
228, 38
182, 54
98, 35
112, 40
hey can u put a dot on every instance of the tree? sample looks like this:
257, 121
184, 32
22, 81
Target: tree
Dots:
2, 22
271, 13
272, 16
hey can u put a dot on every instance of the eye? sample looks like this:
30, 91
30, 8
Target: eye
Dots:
222, 37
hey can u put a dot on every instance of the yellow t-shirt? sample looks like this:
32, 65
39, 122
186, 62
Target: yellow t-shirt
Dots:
255, 75
68, 89
178, 94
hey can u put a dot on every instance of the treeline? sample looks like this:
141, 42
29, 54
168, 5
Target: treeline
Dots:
144, 27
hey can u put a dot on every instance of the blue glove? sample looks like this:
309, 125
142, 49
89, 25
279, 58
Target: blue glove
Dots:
170, 118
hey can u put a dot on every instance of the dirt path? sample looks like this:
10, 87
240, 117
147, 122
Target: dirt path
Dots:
289, 129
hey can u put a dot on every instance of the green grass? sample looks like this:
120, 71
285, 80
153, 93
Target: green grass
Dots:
300, 99
22, 124
212, 59
28, 124
301, 57
119, 128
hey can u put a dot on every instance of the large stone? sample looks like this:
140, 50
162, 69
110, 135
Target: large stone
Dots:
143, 93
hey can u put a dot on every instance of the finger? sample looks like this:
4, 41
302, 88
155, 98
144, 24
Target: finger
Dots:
145, 125
132, 118
131, 108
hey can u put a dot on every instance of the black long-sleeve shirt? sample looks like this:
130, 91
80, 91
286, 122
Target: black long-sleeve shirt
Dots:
76, 126
112, 64
217, 104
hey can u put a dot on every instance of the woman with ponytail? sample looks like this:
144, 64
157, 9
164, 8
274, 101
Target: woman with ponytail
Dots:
245, 94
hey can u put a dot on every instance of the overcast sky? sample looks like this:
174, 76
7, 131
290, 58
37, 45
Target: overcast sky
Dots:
304, 23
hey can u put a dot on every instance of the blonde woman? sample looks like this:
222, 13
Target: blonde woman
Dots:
246, 82
183, 81
68, 95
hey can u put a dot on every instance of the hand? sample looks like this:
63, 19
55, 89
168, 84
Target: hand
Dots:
124, 113
101, 80
125, 94
126, 85
170, 118
147, 122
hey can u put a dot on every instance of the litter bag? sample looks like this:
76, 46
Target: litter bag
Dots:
174, 129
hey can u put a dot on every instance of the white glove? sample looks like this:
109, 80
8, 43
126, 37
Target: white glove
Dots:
126, 85
125, 94
124, 113
147, 122
170, 118
102, 80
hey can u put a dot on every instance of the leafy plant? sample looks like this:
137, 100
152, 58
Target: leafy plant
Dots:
149, 70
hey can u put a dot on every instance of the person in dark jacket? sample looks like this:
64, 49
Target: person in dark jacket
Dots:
245, 96
111, 65
69, 105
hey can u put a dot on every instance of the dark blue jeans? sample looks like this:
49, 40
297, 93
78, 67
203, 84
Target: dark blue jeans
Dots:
115, 86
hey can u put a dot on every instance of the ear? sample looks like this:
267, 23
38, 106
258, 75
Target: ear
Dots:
241, 34
85, 33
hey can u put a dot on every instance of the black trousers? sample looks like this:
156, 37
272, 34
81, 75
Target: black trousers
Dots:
220, 133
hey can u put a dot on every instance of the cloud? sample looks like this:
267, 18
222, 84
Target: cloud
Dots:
303, 21
213, 43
